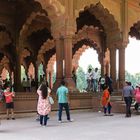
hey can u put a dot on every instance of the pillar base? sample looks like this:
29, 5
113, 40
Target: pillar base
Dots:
114, 85
56, 85
121, 84
70, 84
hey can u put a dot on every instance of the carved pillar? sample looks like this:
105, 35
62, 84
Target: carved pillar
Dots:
124, 29
107, 68
124, 20
101, 60
113, 66
50, 80
47, 75
68, 62
59, 62
36, 74
17, 74
102, 69
121, 66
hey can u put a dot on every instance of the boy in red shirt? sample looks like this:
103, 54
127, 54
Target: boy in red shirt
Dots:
9, 101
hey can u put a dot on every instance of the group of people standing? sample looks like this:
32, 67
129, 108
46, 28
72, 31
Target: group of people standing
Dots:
92, 80
130, 93
62, 93
44, 104
96, 83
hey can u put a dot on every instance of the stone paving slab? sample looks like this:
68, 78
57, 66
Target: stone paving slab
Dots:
86, 126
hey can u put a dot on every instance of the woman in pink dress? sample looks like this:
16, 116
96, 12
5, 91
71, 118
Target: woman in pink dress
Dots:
137, 97
43, 107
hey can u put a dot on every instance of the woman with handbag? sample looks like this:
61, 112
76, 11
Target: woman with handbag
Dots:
44, 106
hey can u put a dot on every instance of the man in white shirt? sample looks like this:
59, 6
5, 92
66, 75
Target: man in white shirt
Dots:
95, 80
89, 79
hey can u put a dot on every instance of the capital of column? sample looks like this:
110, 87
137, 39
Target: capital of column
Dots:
56, 35
68, 36
63, 26
122, 45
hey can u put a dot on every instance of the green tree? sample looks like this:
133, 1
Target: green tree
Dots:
81, 79
134, 79
90, 67
54, 77
137, 76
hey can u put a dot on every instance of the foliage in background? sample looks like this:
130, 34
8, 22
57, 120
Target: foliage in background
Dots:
81, 79
54, 77
134, 79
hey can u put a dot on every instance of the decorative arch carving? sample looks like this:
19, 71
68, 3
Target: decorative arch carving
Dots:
135, 30
48, 45
28, 22
25, 31
107, 20
88, 32
106, 61
31, 71
77, 55
4, 63
25, 53
88, 36
53, 7
5, 37
50, 65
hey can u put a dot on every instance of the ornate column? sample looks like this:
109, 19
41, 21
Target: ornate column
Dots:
107, 68
124, 20
17, 74
36, 74
101, 60
69, 31
121, 67
113, 66
124, 29
17, 67
68, 62
50, 80
59, 62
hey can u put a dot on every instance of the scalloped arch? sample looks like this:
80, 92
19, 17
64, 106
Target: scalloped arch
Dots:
4, 63
107, 20
136, 26
50, 64
4, 39
29, 21
23, 55
49, 44
5, 36
53, 7
76, 56
87, 33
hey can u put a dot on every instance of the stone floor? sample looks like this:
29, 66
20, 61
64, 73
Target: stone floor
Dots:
86, 126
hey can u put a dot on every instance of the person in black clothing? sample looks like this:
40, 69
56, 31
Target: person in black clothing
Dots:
33, 85
74, 77
108, 81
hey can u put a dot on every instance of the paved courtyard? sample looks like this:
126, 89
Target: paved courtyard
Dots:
86, 126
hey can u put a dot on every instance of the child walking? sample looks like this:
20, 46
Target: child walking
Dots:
43, 107
9, 102
106, 101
